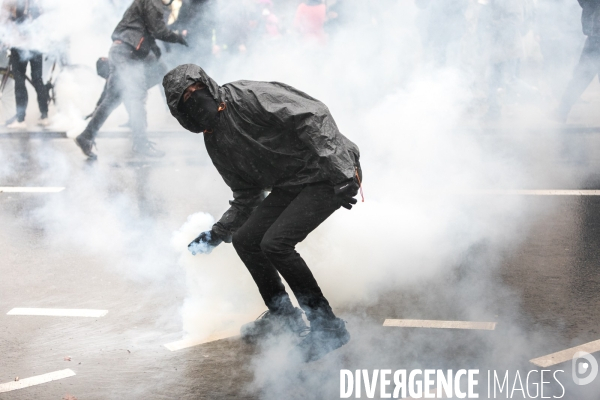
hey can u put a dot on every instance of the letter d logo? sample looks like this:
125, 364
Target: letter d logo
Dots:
584, 367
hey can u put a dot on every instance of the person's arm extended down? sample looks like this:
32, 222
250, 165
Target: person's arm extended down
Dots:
243, 203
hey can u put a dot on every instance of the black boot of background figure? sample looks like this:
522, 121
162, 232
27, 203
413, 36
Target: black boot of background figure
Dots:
86, 143
270, 324
146, 148
325, 336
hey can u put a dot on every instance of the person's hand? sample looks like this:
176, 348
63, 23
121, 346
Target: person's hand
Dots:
181, 40
345, 193
205, 243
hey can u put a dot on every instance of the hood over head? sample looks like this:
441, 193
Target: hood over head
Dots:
175, 83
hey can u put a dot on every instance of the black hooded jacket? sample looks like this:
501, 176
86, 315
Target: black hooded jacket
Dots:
143, 23
590, 17
269, 135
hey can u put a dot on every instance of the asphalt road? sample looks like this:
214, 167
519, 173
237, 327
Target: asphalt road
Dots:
83, 248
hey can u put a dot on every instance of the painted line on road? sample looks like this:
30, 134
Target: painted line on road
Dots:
15, 189
565, 355
36, 380
423, 323
191, 342
538, 192
58, 312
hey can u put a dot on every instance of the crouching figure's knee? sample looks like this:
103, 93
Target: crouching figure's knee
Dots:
274, 247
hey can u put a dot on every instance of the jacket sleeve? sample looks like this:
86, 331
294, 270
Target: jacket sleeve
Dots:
246, 198
154, 19
314, 125
244, 202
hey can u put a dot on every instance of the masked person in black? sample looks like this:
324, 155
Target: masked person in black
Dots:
22, 12
133, 53
268, 135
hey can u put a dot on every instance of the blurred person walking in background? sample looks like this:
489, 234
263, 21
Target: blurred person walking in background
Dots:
133, 52
589, 62
18, 16
154, 71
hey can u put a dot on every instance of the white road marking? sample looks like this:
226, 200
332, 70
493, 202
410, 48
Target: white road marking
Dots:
14, 189
538, 192
565, 355
36, 380
191, 342
58, 312
420, 323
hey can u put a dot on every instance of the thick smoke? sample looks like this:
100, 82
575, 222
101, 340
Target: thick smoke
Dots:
424, 244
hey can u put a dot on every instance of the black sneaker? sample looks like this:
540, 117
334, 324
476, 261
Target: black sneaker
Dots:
86, 144
324, 337
271, 324
146, 148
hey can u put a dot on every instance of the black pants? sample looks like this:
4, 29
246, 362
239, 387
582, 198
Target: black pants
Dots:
19, 59
128, 82
266, 244
585, 71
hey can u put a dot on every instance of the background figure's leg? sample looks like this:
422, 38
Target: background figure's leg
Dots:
134, 97
110, 99
19, 67
583, 74
112, 93
155, 71
36, 62
305, 213
247, 240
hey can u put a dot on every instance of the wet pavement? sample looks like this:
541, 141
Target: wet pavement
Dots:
104, 243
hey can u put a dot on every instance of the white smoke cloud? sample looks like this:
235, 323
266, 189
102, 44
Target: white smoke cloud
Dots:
424, 152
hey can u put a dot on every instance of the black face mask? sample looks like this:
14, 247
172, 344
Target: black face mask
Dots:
201, 108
